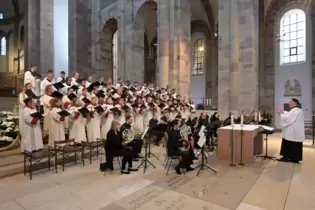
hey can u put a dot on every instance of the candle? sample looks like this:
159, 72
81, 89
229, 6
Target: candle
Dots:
259, 117
209, 101
232, 120
256, 117
242, 120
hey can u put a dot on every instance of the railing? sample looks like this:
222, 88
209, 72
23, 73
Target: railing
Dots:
204, 104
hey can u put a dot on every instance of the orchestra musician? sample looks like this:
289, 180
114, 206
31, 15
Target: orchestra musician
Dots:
173, 145
115, 147
136, 144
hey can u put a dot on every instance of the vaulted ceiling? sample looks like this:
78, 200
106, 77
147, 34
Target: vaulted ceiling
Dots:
10, 8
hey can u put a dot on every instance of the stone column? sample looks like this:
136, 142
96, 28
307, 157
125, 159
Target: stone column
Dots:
121, 56
46, 38
96, 33
163, 40
183, 33
31, 36
80, 37
238, 56
313, 56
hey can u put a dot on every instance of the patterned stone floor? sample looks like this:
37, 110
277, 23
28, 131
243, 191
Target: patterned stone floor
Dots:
266, 185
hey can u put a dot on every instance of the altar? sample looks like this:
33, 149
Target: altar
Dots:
252, 143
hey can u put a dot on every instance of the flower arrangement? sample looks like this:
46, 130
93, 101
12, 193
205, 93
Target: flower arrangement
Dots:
9, 129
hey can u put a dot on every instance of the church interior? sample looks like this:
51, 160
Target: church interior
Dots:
226, 56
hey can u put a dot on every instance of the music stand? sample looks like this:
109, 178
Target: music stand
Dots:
266, 156
145, 161
149, 144
203, 166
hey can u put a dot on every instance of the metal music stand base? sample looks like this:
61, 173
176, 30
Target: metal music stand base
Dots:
203, 166
242, 141
150, 153
264, 157
145, 161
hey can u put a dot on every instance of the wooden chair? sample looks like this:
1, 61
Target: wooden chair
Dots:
168, 158
37, 157
94, 145
66, 148
118, 158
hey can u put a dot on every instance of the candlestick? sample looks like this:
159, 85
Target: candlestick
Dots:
259, 117
256, 117
242, 120
232, 120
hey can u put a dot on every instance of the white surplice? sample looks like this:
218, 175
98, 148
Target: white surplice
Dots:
44, 84
32, 134
106, 121
148, 115
138, 120
66, 104
22, 97
56, 129
292, 124
77, 125
29, 78
93, 125
45, 101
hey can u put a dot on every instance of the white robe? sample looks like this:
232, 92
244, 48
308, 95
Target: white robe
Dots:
43, 85
292, 124
93, 126
138, 121
77, 125
107, 120
45, 100
74, 82
66, 104
32, 138
56, 127
22, 97
148, 115
29, 78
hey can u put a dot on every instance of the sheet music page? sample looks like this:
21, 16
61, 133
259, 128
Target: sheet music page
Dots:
202, 130
202, 141
267, 128
144, 133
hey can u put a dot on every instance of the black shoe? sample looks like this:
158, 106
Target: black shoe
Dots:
295, 161
190, 169
133, 169
139, 156
125, 172
135, 160
177, 169
283, 159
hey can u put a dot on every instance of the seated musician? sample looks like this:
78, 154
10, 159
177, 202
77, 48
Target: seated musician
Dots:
154, 132
136, 144
115, 147
173, 145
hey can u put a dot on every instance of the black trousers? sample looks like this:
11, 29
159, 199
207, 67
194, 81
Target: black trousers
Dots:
127, 155
291, 150
136, 147
186, 158
158, 135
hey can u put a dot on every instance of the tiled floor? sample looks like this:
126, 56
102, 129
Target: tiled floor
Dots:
266, 185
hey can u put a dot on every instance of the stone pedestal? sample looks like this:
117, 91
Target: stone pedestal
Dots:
238, 56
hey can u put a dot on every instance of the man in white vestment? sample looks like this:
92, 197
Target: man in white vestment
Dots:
30, 78
74, 79
62, 77
49, 80
293, 132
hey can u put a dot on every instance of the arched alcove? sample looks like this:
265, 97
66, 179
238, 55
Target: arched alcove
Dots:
109, 42
143, 34
275, 74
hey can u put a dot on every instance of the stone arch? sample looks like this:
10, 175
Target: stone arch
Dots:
266, 74
107, 52
207, 81
143, 31
207, 6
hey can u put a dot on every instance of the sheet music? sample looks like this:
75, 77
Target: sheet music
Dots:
202, 141
267, 128
202, 130
144, 133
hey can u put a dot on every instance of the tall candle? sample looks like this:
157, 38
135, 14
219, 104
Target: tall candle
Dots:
256, 117
232, 120
242, 120
259, 117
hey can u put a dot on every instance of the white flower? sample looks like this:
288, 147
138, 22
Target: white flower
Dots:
10, 118
6, 138
4, 123
8, 129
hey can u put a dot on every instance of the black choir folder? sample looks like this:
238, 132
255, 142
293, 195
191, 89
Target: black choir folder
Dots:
37, 115
64, 113
84, 111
